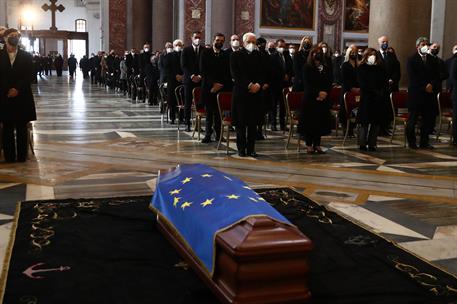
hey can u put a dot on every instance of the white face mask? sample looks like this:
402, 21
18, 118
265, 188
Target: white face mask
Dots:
169, 50
178, 48
371, 60
454, 52
196, 42
251, 47
146, 50
424, 49
235, 44
324, 50
291, 51
280, 50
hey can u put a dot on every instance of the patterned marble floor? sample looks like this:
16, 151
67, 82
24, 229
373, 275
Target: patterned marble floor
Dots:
92, 142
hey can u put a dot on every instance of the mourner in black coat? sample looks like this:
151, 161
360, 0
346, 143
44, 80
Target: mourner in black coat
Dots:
58, 64
17, 106
190, 65
315, 119
350, 83
299, 61
374, 103
453, 79
215, 71
267, 95
448, 63
282, 70
171, 66
423, 72
249, 76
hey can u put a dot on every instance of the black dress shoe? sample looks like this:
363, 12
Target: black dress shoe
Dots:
172, 122
206, 140
427, 146
260, 137
241, 154
253, 154
413, 146
363, 148
372, 149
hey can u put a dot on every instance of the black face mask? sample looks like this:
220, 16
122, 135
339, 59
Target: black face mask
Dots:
353, 56
319, 57
434, 52
218, 46
13, 41
271, 50
307, 46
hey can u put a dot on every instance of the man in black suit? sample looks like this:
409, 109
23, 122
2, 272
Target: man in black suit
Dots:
281, 78
17, 106
171, 67
190, 65
267, 96
423, 73
215, 71
443, 72
248, 74
448, 63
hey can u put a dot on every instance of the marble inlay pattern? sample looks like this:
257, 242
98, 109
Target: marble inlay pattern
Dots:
92, 142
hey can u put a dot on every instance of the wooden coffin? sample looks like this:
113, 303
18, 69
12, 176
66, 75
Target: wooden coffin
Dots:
257, 261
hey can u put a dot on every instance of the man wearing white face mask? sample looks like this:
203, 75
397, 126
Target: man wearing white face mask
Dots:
423, 71
174, 75
190, 65
282, 69
234, 45
248, 73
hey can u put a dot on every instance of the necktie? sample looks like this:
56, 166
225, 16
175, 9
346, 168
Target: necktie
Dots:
283, 61
384, 55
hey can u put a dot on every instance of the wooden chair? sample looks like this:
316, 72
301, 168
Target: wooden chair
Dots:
351, 101
444, 112
293, 105
284, 94
224, 103
334, 97
199, 112
163, 105
180, 104
399, 103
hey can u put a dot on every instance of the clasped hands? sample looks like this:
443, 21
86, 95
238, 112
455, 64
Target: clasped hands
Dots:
216, 87
322, 96
429, 88
196, 78
254, 88
12, 93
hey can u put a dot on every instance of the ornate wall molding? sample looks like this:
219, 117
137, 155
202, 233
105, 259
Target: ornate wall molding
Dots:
194, 16
330, 21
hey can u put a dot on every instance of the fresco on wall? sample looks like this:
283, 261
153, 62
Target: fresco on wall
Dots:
287, 14
356, 16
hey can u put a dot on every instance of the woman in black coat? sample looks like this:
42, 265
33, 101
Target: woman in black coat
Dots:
315, 119
374, 85
299, 61
17, 107
350, 82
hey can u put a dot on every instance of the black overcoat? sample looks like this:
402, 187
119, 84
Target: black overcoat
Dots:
246, 68
19, 76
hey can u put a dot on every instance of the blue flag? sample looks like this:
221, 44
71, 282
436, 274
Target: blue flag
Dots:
200, 202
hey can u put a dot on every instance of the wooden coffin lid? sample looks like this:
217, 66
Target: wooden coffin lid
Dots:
261, 237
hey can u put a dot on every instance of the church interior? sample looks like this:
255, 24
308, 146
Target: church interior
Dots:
86, 217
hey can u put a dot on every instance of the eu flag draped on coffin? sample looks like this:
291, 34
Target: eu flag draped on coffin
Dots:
199, 202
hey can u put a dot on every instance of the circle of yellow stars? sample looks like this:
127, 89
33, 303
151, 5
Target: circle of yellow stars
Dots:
207, 202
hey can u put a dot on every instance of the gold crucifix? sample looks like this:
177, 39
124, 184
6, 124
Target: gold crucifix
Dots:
53, 8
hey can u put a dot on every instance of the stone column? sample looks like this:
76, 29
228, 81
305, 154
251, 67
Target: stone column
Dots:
162, 23
450, 26
141, 22
3, 13
402, 24
222, 20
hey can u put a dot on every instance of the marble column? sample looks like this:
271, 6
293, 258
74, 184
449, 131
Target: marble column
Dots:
117, 28
450, 26
3, 13
221, 19
141, 22
402, 24
162, 23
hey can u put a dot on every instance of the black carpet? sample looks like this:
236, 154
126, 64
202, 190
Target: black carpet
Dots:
110, 251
